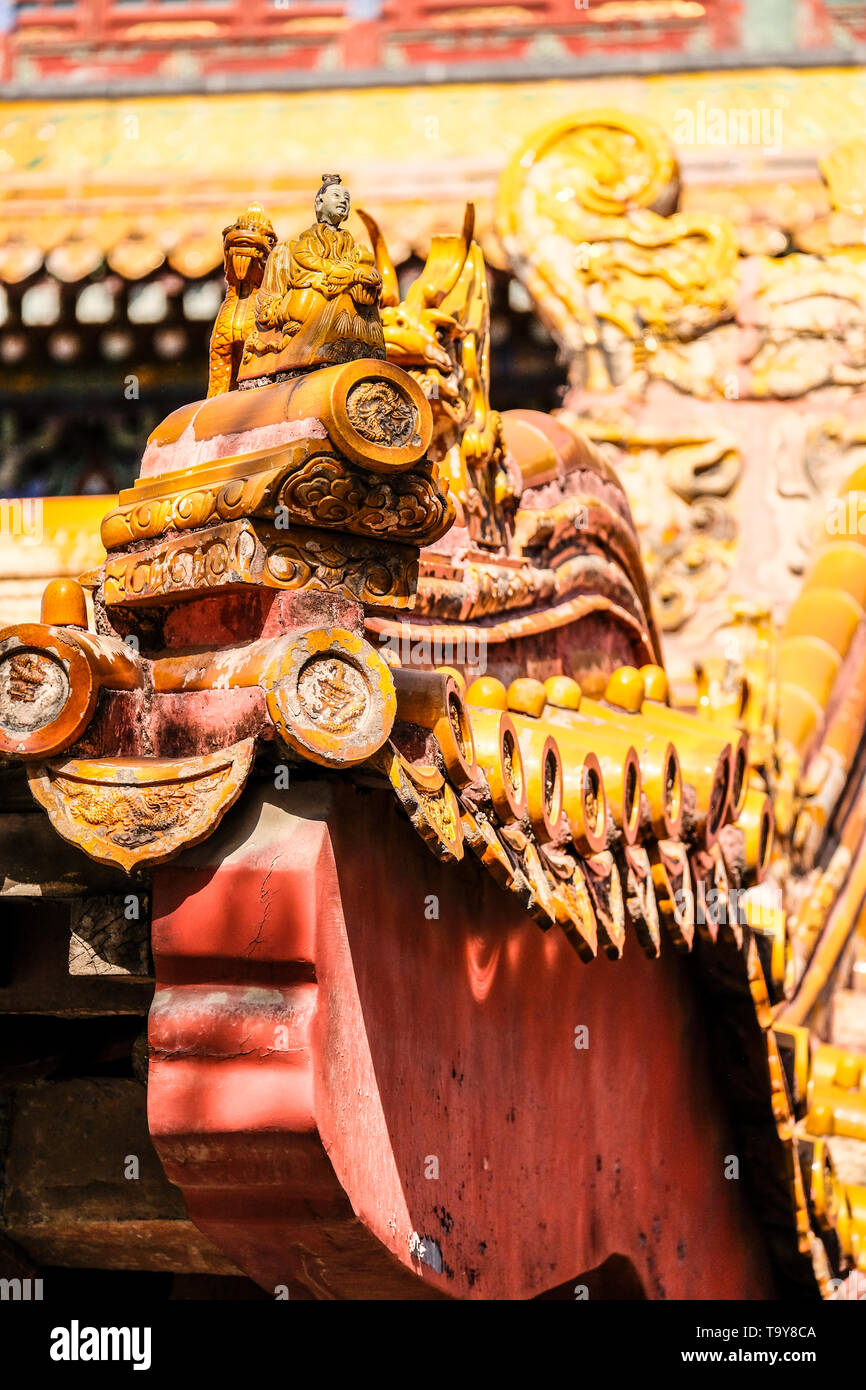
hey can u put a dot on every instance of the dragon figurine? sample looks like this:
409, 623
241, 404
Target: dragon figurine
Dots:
440, 333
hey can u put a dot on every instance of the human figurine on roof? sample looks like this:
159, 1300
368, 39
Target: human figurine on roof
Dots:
319, 299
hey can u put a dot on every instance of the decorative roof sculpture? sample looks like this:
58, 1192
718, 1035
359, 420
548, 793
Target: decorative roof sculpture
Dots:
723, 373
319, 299
247, 245
247, 722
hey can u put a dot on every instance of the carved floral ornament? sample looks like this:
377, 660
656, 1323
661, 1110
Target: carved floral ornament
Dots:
319, 489
236, 555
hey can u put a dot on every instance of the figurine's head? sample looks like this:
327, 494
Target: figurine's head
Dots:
247, 244
332, 200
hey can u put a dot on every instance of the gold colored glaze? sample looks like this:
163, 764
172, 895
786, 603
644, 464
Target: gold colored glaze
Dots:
440, 333
126, 811
562, 692
247, 243
331, 697
605, 888
842, 169
836, 1102
526, 697
756, 822
672, 880
235, 555
615, 740
319, 298
641, 903
329, 694
706, 762
577, 786
583, 215
434, 701
575, 913
618, 761
625, 689
543, 768
655, 683
429, 801
64, 604
488, 692
50, 680
523, 771
497, 750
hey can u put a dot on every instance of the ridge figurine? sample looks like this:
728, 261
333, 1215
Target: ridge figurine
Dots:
319, 300
247, 243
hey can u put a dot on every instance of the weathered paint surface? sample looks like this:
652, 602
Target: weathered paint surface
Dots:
127, 811
321, 1049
